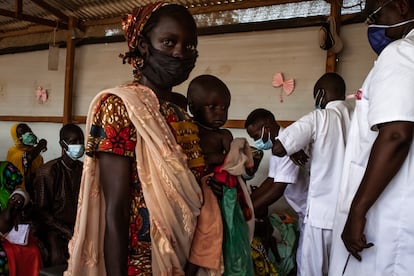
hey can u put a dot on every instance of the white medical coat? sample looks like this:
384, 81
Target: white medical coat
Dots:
387, 95
283, 170
326, 131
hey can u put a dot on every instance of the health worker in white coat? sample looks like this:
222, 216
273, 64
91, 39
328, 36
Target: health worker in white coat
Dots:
374, 215
324, 130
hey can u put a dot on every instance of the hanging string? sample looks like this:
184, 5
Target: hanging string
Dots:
54, 33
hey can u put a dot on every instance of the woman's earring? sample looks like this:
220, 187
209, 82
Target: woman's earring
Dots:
138, 64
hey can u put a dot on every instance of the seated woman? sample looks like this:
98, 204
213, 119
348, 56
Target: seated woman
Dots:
19, 252
26, 153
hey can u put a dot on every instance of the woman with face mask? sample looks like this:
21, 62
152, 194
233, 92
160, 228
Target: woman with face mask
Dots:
372, 233
26, 153
139, 200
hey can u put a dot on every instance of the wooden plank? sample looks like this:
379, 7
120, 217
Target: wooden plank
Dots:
79, 119
240, 123
332, 58
82, 120
19, 7
63, 17
32, 119
70, 64
31, 30
237, 5
34, 19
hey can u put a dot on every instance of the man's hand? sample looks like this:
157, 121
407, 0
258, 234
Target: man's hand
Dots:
278, 149
300, 158
42, 145
353, 235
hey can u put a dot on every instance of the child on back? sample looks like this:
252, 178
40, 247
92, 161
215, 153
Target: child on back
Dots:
209, 101
325, 130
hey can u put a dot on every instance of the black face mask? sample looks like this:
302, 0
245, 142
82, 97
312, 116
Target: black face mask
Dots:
167, 71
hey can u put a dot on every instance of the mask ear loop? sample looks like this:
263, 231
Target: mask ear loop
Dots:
391, 26
261, 136
66, 144
268, 137
322, 95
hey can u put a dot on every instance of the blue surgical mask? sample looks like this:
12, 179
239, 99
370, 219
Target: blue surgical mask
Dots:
377, 37
75, 151
318, 102
29, 139
263, 145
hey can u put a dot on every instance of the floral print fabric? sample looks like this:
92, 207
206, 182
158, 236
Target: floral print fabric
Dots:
112, 131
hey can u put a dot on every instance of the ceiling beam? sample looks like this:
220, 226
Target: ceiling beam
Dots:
238, 5
63, 17
34, 19
31, 30
19, 7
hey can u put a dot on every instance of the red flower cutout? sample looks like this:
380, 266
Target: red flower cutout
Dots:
117, 142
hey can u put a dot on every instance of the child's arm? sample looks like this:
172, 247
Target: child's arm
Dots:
227, 137
217, 158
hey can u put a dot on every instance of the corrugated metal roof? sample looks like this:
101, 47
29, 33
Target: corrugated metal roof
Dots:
85, 11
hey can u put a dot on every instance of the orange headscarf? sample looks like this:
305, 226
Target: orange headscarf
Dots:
16, 152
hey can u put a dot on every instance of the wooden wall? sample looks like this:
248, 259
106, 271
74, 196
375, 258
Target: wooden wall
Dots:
246, 62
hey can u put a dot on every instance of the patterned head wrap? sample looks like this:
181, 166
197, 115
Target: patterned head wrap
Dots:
133, 24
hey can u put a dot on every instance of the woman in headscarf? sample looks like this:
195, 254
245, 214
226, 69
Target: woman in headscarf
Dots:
139, 201
25, 154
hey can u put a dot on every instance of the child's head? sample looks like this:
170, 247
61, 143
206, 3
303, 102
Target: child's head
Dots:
329, 87
262, 128
209, 100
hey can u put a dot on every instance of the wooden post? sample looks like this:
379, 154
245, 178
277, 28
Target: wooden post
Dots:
70, 60
331, 58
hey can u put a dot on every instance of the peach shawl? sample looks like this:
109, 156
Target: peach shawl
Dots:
171, 192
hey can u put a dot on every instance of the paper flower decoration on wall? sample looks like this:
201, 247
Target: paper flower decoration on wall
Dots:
287, 86
41, 94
